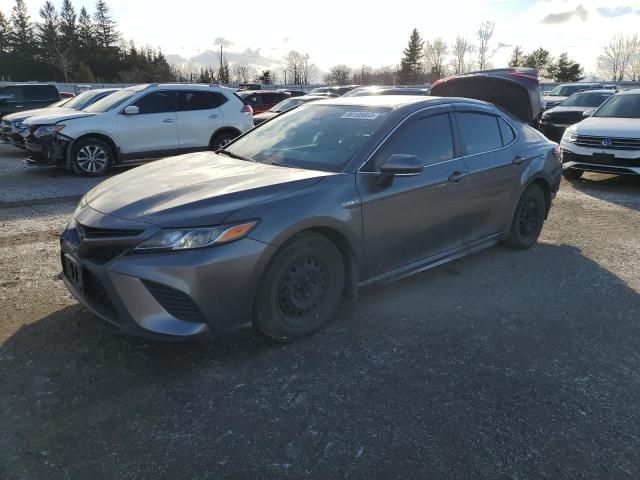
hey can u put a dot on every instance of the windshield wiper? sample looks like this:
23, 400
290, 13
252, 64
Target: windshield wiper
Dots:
236, 156
282, 164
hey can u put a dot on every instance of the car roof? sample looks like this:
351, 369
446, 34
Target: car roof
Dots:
252, 92
398, 101
631, 91
579, 83
596, 90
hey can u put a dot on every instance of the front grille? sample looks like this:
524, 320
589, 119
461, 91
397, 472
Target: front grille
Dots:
95, 293
604, 161
177, 303
564, 118
616, 143
93, 232
102, 255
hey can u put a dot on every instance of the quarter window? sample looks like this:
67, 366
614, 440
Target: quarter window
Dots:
480, 132
429, 138
156, 102
507, 132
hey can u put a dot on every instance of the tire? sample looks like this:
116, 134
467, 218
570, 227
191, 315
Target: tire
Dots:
220, 140
91, 157
301, 288
572, 173
528, 219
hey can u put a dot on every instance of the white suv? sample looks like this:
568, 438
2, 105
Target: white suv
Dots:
137, 124
608, 141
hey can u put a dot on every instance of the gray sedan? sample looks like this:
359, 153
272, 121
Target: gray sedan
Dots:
271, 232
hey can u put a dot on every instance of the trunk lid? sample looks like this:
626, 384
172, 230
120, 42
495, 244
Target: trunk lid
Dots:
516, 90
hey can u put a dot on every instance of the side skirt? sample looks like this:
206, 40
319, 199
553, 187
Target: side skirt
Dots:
433, 261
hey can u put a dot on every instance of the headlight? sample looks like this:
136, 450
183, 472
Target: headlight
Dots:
48, 130
189, 238
569, 136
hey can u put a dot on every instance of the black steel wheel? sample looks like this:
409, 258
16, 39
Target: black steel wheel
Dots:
528, 219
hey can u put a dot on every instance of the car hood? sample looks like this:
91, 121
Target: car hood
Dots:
560, 109
197, 189
52, 118
37, 111
609, 127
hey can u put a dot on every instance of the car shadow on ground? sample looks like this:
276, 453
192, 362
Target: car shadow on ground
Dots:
502, 364
618, 189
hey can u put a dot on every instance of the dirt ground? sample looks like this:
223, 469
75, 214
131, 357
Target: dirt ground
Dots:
514, 365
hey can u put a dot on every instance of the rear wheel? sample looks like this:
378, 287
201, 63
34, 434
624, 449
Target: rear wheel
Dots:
301, 288
222, 140
528, 219
91, 157
572, 173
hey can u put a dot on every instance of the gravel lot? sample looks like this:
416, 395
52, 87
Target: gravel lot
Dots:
514, 365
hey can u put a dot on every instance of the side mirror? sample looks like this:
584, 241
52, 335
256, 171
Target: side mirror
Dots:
401, 164
131, 110
588, 113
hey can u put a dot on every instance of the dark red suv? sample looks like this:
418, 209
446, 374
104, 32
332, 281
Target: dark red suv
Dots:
262, 100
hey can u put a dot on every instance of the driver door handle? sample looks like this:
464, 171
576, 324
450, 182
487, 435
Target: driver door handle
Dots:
168, 120
457, 176
213, 115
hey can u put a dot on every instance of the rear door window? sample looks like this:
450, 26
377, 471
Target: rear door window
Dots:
156, 102
12, 93
198, 100
480, 132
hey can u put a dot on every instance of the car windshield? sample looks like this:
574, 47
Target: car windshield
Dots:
83, 100
620, 106
565, 91
586, 99
313, 137
111, 101
287, 104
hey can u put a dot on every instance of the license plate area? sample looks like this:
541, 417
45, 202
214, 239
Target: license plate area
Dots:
604, 158
73, 271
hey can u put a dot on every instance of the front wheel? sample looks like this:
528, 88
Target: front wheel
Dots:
572, 173
91, 157
301, 288
527, 220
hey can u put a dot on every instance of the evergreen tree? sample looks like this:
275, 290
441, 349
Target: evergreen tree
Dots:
265, 77
86, 33
106, 32
5, 34
68, 27
517, 57
542, 61
48, 31
411, 69
566, 70
22, 38
84, 74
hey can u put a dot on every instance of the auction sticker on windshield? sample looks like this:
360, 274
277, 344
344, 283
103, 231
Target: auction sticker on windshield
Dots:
361, 115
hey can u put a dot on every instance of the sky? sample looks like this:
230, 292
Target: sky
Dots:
356, 33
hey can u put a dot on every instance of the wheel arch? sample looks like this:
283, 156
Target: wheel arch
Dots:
100, 136
221, 130
544, 185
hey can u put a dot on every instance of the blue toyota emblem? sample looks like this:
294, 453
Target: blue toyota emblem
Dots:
606, 143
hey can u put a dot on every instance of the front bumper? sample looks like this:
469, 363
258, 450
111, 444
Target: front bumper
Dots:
172, 295
617, 162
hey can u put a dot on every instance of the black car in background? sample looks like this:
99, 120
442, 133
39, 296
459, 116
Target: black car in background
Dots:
26, 96
333, 91
283, 106
374, 90
560, 93
554, 121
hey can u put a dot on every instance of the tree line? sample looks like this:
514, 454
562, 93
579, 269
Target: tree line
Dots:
429, 60
70, 46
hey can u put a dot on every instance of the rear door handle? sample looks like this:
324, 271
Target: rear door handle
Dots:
213, 115
168, 120
457, 176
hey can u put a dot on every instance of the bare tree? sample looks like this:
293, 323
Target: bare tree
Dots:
243, 72
293, 69
461, 49
338, 75
435, 56
485, 33
634, 64
614, 61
